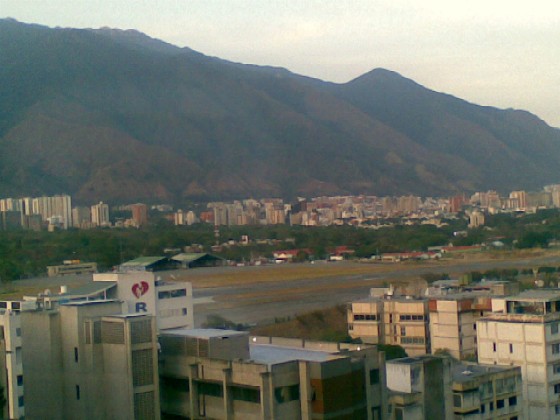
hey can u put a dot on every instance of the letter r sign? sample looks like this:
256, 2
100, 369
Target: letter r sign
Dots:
141, 307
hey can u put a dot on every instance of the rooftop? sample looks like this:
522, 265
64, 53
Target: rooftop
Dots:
270, 354
204, 332
536, 295
142, 261
467, 372
92, 288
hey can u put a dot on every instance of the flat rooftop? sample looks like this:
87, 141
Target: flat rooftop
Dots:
467, 372
204, 332
536, 295
271, 354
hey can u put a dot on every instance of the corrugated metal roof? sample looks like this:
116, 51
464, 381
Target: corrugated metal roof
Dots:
92, 288
142, 261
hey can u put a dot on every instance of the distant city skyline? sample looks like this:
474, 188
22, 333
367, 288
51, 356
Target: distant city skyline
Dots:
498, 53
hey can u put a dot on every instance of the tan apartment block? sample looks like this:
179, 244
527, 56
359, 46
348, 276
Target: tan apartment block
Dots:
399, 321
453, 323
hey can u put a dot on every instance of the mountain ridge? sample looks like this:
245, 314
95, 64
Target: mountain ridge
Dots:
114, 115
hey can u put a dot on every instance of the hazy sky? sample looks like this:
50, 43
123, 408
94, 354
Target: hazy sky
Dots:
491, 52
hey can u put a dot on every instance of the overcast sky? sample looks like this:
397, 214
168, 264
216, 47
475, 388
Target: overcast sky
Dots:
490, 52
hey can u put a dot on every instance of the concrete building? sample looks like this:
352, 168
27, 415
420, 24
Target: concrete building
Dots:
87, 360
429, 387
527, 334
420, 388
100, 214
81, 217
389, 319
483, 392
11, 365
144, 292
228, 375
140, 293
453, 323
139, 214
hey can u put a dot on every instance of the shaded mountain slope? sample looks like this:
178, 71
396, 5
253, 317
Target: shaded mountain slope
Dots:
116, 115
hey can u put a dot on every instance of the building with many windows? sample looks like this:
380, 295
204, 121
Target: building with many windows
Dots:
390, 319
223, 374
527, 334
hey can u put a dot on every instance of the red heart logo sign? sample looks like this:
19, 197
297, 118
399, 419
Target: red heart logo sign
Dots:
140, 289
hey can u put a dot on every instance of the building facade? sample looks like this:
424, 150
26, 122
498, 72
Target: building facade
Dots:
392, 320
229, 375
527, 334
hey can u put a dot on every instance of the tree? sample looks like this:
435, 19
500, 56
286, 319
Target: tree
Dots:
392, 351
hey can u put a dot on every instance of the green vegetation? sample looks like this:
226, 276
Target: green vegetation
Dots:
26, 253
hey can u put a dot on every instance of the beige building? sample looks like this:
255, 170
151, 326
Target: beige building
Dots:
86, 360
387, 319
430, 387
228, 375
453, 323
527, 334
11, 366
419, 388
483, 392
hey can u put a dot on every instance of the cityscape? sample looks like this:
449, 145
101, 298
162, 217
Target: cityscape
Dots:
57, 212
295, 210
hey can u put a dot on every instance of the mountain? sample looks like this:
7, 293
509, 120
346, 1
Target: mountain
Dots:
118, 116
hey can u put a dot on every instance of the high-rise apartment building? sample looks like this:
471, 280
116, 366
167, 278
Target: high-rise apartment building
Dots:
527, 334
139, 214
100, 214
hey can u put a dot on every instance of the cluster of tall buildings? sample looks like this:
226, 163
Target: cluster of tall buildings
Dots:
488, 322
325, 211
56, 212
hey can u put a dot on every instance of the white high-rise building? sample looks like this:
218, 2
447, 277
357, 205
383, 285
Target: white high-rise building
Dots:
526, 334
100, 214
58, 206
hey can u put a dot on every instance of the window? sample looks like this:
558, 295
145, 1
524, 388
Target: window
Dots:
556, 368
211, 389
492, 406
374, 376
77, 392
403, 331
18, 332
556, 348
168, 294
554, 328
20, 380
494, 347
184, 311
557, 389
286, 393
557, 409
512, 401
457, 400
483, 408
76, 354
500, 404
20, 401
242, 393
511, 348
